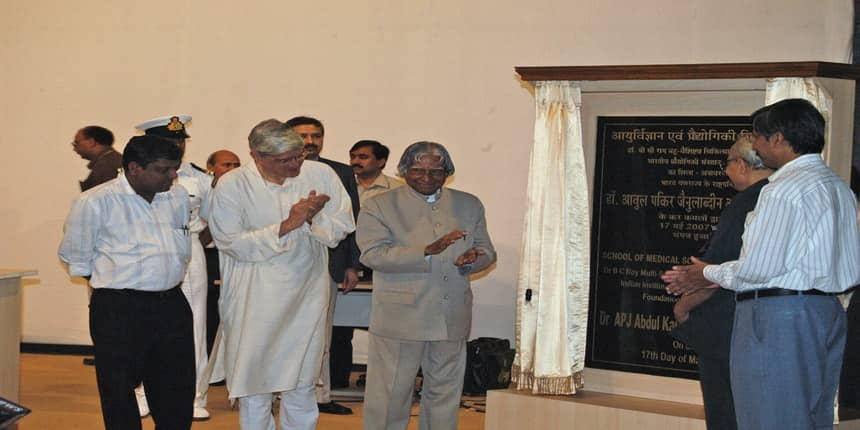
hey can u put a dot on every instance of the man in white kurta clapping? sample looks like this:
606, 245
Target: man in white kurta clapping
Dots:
272, 221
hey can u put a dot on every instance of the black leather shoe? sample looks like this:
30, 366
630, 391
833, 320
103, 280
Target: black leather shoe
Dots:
334, 408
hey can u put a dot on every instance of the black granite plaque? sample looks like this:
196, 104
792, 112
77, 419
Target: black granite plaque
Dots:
659, 188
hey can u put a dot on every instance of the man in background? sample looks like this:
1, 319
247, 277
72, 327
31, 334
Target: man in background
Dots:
221, 162
367, 159
343, 267
95, 144
218, 163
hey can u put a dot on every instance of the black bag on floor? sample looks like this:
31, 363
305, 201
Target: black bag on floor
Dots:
488, 365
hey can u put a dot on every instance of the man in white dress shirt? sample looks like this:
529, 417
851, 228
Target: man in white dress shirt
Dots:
801, 247
195, 286
272, 221
130, 238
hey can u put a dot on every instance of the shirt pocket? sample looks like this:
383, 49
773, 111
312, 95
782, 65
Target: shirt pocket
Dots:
181, 241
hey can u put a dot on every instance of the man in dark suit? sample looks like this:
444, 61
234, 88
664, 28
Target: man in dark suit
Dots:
343, 267
706, 316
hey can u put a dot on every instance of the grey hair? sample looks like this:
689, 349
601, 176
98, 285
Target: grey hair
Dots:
418, 150
744, 148
273, 137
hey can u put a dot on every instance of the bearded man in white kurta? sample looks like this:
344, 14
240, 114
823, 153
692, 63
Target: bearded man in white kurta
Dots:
272, 221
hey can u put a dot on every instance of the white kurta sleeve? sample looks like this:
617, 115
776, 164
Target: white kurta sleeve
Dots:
335, 221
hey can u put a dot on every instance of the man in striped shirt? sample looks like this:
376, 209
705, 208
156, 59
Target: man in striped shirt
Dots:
801, 248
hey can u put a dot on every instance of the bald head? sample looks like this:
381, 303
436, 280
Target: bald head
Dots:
221, 162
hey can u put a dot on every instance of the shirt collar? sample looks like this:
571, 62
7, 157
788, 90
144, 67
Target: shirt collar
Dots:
381, 181
126, 188
800, 163
433, 198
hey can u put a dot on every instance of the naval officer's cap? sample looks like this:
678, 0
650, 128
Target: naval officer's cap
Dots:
171, 126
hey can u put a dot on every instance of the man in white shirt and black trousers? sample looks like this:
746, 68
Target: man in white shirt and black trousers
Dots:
801, 248
130, 238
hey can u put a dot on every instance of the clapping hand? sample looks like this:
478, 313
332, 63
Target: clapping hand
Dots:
469, 256
444, 242
315, 203
686, 279
303, 211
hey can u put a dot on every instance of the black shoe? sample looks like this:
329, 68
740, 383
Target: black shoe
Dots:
220, 383
334, 408
90, 361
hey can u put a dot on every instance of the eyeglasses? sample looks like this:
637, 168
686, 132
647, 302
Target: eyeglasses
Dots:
417, 172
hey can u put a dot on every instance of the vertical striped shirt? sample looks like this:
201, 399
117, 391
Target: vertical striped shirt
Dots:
802, 235
125, 242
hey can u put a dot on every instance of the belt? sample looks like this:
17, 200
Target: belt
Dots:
140, 293
777, 292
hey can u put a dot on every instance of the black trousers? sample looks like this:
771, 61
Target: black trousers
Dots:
143, 337
849, 383
213, 273
340, 356
709, 332
715, 379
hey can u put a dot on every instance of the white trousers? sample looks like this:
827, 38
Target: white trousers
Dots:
298, 411
195, 287
323, 388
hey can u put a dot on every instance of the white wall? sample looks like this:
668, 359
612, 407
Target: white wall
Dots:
397, 71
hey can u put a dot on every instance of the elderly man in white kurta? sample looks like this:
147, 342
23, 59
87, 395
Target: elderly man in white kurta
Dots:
272, 221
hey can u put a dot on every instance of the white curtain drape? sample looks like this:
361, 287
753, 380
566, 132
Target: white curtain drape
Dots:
802, 88
554, 267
